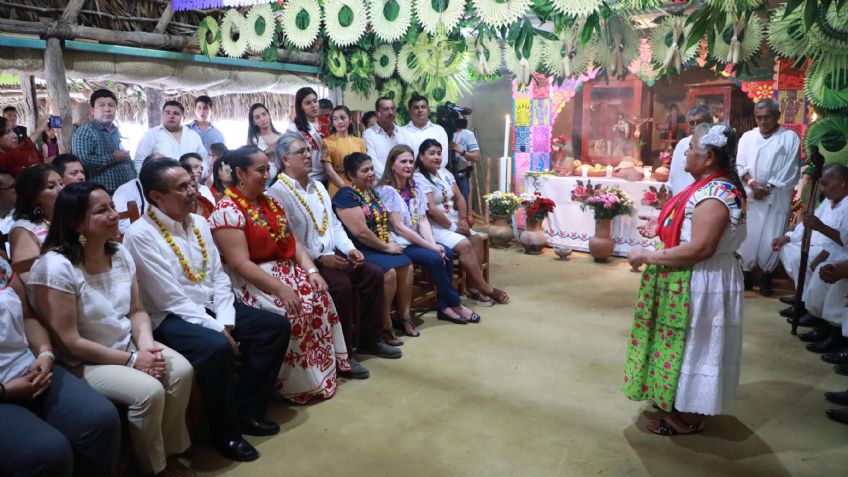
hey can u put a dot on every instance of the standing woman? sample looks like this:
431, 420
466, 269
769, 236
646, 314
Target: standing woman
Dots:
269, 270
686, 341
408, 216
366, 221
306, 123
339, 144
36, 189
261, 132
49, 145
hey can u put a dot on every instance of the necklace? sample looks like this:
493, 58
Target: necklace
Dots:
259, 218
191, 275
324, 223
413, 200
381, 217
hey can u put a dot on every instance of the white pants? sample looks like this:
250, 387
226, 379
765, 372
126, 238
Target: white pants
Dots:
765, 223
790, 257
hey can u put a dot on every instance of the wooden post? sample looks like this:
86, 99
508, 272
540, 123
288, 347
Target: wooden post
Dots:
59, 99
30, 101
72, 10
155, 100
165, 19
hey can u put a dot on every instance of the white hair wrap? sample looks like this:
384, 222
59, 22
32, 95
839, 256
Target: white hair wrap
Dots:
715, 137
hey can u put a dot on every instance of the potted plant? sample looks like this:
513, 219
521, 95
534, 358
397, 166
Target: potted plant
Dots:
561, 163
536, 208
501, 207
607, 203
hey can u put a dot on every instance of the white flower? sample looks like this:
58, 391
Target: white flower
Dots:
497, 14
256, 41
345, 34
233, 21
387, 24
430, 19
301, 22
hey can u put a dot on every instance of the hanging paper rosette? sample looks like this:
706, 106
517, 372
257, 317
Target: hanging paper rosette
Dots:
233, 21
826, 82
497, 13
393, 89
301, 22
337, 63
618, 46
433, 13
738, 41
522, 69
577, 8
730, 6
436, 55
830, 134
209, 36
829, 34
385, 60
260, 25
788, 36
390, 19
567, 57
345, 21
668, 44
486, 55
407, 64
361, 79
633, 5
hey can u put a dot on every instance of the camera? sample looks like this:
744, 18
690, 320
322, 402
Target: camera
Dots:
54, 122
450, 117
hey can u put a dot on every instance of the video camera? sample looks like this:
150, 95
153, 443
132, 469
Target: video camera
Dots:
448, 116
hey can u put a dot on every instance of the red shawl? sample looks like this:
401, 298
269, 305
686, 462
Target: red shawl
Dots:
670, 221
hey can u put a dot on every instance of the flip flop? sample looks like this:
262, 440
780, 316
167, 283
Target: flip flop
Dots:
444, 317
499, 296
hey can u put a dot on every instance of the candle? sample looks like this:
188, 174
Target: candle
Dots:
585, 168
503, 163
609, 171
646, 171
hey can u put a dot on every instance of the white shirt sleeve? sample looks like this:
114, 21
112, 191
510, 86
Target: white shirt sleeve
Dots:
788, 172
145, 148
742, 166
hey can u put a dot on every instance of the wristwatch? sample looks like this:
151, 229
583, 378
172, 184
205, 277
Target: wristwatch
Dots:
132, 360
311, 270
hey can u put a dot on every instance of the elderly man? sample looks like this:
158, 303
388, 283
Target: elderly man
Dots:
383, 136
420, 128
768, 162
316, 227
191, 304
171, 138
679, 179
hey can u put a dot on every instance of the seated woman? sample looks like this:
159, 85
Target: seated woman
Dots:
339, 144
261, 132
366, 222
448, 211
53, 423
84, 288
36, 190
221, 179
410, 228
271, 271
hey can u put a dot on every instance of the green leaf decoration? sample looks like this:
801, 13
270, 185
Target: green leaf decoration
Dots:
826, 83
209, 37
233, 46
390, 19
738, 41
345, 21
385, 61
301, 22
668, 44
260, 27
787, 34
829, 34
830, 134
336, 63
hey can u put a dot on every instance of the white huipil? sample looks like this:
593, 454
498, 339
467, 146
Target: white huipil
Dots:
834, 216
774, 161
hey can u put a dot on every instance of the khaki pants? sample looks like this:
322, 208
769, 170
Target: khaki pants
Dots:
156, 409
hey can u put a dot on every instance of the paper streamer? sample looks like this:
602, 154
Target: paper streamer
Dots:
522, 112
541, 109
541, 139
522, 139
180, 5
540, 162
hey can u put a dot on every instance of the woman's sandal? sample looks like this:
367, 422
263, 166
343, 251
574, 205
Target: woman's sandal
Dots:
390, 338
480, 298
499, 296
407, 327
440, 315
668, 430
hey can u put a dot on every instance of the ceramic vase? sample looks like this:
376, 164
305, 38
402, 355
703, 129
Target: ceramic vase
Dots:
600, 246
533, 238
500, 231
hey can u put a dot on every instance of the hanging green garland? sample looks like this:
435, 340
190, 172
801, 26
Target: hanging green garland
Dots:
788, 35
738, 41
567, 57
435, 13
830, 134
234, 48
301, 22
668, 44
345, 21
393, 89
826, 82
361, 79
500, 13
337, 63
260, 25
209, 27
390, 19
385, 60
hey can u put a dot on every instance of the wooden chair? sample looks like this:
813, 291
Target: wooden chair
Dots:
461, 277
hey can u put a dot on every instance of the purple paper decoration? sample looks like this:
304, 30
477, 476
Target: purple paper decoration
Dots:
180, 5
541, 139
540, 162
541, 112
522, 139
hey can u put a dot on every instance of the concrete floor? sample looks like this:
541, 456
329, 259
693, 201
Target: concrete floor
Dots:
534, 391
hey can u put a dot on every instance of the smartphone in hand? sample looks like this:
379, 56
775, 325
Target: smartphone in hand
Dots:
54, 122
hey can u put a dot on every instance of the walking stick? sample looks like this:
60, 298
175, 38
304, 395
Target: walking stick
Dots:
817, 161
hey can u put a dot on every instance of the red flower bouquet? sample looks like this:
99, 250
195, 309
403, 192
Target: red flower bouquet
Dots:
535, 206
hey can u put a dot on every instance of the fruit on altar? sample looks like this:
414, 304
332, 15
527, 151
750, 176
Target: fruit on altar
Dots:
577, 163
661, 174
662, 170
625, 164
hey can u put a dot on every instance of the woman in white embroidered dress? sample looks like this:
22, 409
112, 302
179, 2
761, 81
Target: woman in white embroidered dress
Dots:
36, 189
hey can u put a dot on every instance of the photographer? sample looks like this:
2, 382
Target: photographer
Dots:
467, 153
420, 128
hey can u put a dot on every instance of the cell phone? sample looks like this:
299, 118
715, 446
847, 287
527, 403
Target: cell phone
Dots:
54, 122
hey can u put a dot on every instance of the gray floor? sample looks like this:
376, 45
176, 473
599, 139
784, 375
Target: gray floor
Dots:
534, 391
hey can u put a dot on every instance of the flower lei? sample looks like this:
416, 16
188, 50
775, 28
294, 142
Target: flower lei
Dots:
413, 213
381, 217
257, 216
195, 277
325, 224
444, 198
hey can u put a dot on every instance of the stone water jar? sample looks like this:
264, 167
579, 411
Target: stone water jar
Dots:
500, 231
533, 238
600, 246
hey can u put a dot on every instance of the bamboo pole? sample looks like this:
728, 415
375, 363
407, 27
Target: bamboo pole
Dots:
30, 101
165, 19
58, 99
72, 11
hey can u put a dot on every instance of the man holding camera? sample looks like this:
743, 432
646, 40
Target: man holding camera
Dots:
420, 128
467, 151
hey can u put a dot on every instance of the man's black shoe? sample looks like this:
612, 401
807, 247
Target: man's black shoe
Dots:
787, 300
765, 284
838, 415
829, 345
749, 280
808, 320
838, 357
239, 450
819, 333
840, 398
841, 369
788, 312
253, 426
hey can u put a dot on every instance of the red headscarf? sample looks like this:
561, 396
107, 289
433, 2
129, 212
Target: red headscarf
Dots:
670, 221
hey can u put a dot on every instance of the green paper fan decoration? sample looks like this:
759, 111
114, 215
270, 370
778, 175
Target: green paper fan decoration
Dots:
830, 134
393, 89
668, 44
830, 31
209, 27
361, 79
390, 19
522, 69
826, 82
345, 21
385, 60
788, 36
301, 22
434, 13
438, 55
568, 57
234, 48
636, 5
498, 13
577, 8
407, 64
337, 63
733, 6
618, 46
738, 41
260, 24
486, 56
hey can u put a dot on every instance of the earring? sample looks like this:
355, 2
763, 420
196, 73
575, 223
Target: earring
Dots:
37, 212
82, 240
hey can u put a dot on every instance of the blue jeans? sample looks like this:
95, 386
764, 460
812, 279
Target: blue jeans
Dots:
441, 272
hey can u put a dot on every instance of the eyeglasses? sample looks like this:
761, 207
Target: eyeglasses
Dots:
300, 151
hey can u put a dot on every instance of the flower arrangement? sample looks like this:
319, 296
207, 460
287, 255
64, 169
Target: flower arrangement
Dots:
559, 143
502, 203
656, 198
535, 206
665, 158
608, 203
583, 192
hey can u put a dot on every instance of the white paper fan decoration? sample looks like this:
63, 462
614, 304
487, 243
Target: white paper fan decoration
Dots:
233, 21
390, 19
259, 41
738, 41
430, 18
577, 8
337, 14
497, 14
486, 55
523, 68
567, 57
407, 64
301, 22
385, 60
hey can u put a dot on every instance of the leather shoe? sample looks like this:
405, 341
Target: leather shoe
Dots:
840, 398
788, 312
765, 284
838, 415
808, 320
254, 426
357, 371
380, 349
239, 450
819, 333
841, 369
829, 345
839, 357
787, 300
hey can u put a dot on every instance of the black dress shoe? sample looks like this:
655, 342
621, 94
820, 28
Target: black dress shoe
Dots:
765, 284
787, 300
819, 333
829, 345
841, 369
239, 450
839, 357
808, 320
788, 312
749, 280
253, 426
840, 398
838, 415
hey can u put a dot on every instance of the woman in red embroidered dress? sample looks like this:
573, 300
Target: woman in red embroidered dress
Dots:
270, 270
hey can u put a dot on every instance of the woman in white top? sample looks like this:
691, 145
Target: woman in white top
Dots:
262, 133
36, 189
306, 123
448, 211
85, 291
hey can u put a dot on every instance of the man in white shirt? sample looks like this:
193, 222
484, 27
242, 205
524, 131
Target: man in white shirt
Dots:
420, 128
383, 136
171, 138
768, 162
678, 178
132, 192
465, 146
319, 231
191, 305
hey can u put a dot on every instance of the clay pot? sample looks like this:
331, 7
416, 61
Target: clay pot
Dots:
532, 238
500, 231
600, 246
